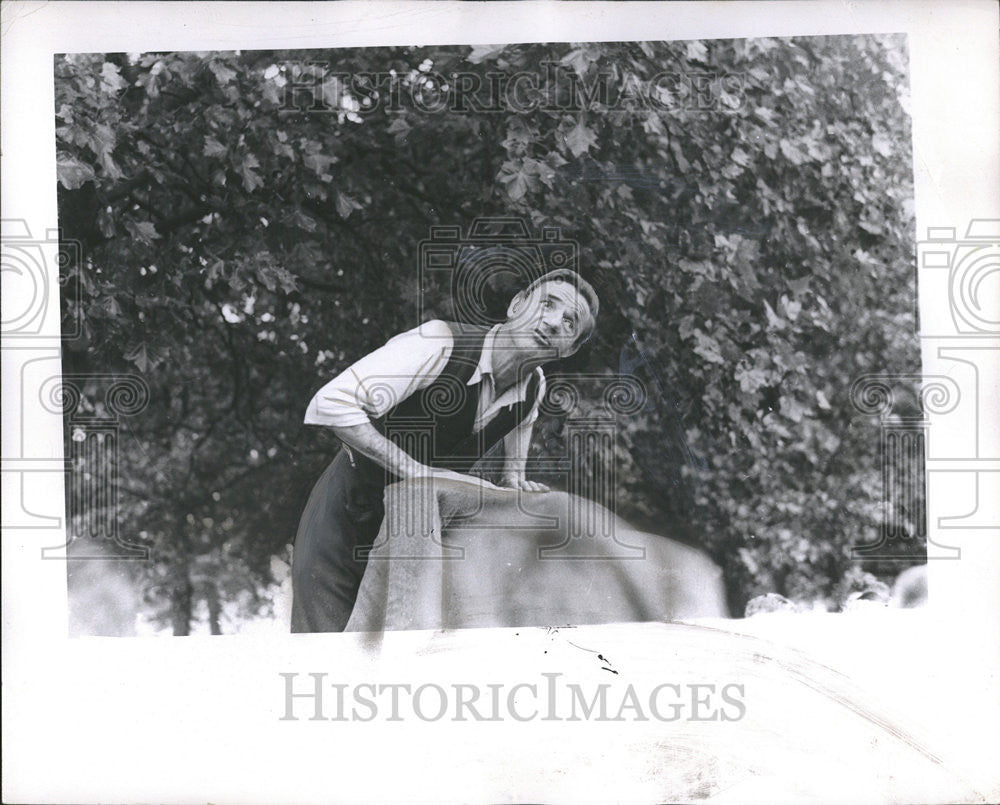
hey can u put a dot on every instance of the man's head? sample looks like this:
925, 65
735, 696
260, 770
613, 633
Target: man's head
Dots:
557, 312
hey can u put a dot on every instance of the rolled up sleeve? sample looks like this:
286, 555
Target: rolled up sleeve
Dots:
373, 385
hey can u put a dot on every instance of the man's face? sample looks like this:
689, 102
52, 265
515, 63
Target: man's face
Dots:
550, 320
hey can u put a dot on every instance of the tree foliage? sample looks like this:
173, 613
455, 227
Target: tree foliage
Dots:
250, 225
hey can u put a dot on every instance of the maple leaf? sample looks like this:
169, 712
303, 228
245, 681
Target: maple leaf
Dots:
579, 139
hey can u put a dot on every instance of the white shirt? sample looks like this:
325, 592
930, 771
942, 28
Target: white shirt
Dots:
408, 363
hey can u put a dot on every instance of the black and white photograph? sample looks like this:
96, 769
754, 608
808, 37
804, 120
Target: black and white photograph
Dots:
664, 282
610, 416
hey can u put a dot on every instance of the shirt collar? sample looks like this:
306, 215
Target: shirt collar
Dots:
485, 366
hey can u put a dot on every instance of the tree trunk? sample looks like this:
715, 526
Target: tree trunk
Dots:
214, 608
181, 605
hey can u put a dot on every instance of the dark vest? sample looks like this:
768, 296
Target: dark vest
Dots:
434, 425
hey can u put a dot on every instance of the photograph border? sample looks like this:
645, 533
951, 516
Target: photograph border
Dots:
126, 705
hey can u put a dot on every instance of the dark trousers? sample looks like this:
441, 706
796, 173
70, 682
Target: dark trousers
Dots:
340, 521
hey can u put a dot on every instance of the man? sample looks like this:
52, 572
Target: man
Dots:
431, 402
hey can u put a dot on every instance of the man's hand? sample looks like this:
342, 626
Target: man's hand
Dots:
520, 482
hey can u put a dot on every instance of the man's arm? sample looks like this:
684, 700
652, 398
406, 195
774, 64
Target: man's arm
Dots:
382, 379
365, 439
377, 382
516, 444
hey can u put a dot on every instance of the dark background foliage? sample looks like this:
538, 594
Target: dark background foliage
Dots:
249, 225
